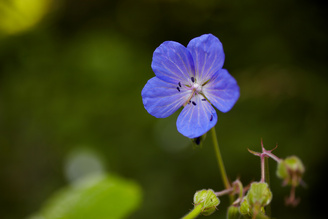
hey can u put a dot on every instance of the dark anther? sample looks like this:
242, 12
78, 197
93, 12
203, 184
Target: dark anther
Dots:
211, 118
178, 89
203, 99
194, 103
179, 84
192, 79
189, 101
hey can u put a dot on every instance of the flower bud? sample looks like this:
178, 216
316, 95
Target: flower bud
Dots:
258, 196
207, 199
245, 209
259, 193
290, 170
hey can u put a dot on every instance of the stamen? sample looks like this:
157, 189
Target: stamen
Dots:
211, 118
194, 103
179, 84
203, 99
178, 89
206, 82
192, 79
191, 95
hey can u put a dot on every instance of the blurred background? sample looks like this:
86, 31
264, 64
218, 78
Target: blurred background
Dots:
71, 75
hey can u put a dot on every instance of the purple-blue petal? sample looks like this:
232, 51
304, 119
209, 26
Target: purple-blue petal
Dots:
172, 62
208, 56
161, 99
222, 91
196, 118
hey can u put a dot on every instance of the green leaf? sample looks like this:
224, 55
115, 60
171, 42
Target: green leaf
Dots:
96, 197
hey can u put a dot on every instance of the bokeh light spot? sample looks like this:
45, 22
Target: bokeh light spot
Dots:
20, 15
83, 162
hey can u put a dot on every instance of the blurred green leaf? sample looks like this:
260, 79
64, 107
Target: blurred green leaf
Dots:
96, 197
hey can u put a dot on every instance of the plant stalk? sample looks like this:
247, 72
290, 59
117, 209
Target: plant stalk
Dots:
194, 212
220, 162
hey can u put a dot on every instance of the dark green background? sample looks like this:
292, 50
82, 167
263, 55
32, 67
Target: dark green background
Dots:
75, 80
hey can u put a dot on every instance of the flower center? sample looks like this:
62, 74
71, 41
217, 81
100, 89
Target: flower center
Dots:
197, 87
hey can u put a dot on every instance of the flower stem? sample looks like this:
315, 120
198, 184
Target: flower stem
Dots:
262, 156
194, 212
274, 157
224, 192
220, 160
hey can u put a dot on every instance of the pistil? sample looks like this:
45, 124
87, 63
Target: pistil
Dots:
189, 98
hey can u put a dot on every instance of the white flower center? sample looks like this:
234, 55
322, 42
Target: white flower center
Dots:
197, 87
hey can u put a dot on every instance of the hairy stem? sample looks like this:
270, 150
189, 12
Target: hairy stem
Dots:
262, 167
194, 212
224, 192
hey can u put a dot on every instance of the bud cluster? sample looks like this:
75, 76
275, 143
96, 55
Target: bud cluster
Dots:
258, 196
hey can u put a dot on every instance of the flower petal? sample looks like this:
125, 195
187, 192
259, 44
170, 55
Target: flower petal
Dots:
222, 91
208, 56
172, 62
196, 118
161, 99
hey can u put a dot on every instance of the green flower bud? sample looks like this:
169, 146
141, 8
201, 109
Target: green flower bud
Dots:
208, 200
290, 170
233, 212
258, 196
245, 209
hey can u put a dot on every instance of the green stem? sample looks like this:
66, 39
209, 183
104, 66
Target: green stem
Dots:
220, 160
194, 213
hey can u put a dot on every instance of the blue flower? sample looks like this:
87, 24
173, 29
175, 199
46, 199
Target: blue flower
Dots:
191, 77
